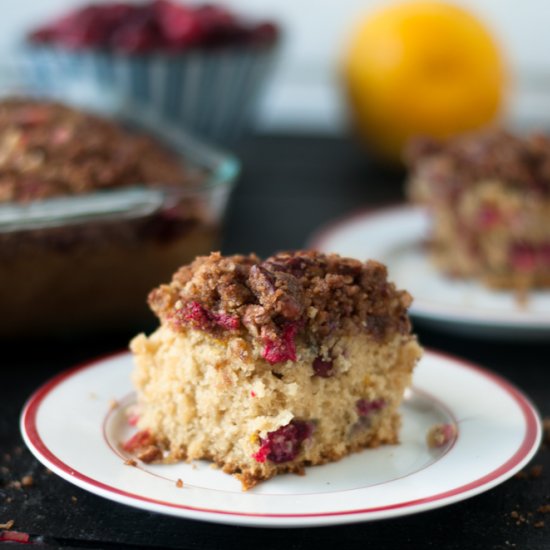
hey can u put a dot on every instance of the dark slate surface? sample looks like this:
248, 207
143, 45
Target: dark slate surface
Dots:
290, 187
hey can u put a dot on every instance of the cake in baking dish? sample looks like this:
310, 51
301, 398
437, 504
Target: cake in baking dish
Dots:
489, 199
68, 273
266, 367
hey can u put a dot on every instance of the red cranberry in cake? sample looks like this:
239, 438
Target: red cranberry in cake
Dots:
366, 407
281, 348
283, 445
139, 440
324, 369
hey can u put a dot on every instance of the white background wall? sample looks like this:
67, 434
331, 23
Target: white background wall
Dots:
304, 93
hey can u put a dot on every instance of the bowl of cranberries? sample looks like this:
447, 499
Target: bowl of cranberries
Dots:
200, 66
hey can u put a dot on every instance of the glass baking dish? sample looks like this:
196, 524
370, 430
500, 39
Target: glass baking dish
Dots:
87, 263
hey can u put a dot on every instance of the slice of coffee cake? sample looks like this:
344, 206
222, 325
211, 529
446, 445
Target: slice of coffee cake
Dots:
268, 366
489, 199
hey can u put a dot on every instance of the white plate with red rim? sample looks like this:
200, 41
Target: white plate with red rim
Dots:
72, 427
396, 237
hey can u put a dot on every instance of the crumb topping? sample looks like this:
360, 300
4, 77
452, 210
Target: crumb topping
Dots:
48, 149
287, 295
520, 162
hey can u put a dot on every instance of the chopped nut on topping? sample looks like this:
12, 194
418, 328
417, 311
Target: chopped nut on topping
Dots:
8, 525
74, 500
130, 462
312, 312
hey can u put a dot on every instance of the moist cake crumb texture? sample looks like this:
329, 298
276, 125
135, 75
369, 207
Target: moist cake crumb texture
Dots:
265, 367
489, 200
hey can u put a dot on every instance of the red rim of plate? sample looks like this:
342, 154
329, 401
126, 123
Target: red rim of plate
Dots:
507, 469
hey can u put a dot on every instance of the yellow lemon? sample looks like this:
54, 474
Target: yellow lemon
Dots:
422, 68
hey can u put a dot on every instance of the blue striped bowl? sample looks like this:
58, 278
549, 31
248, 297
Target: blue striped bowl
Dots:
211, 93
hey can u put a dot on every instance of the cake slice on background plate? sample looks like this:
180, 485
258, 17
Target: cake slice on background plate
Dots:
265, 367
488, 195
